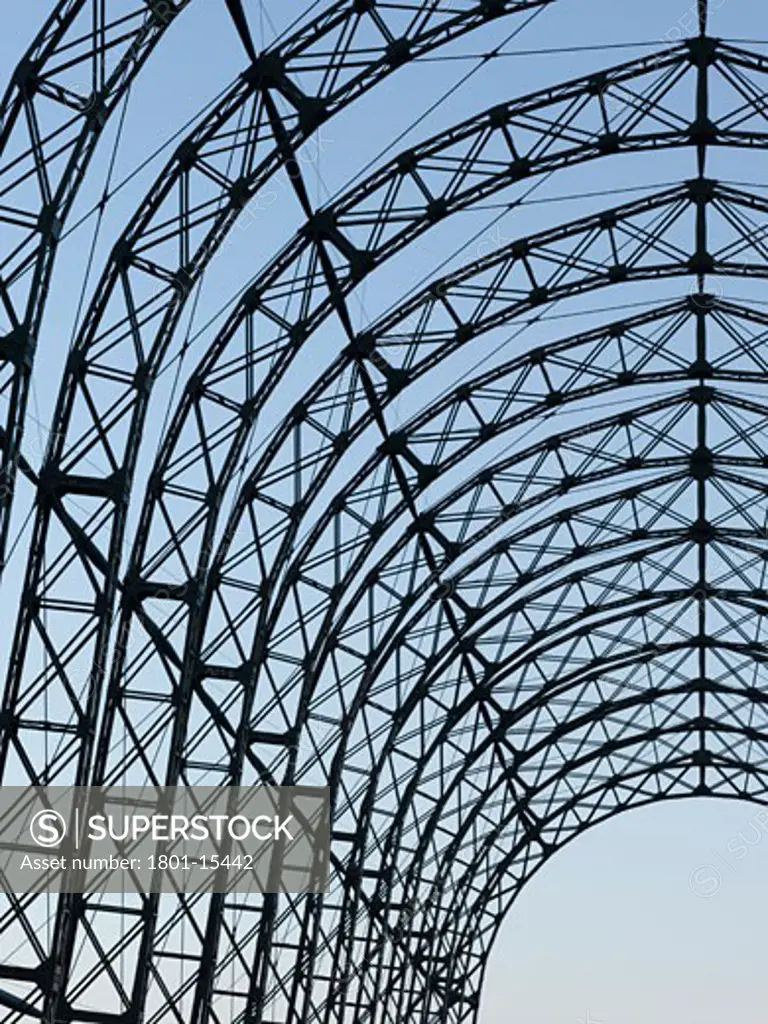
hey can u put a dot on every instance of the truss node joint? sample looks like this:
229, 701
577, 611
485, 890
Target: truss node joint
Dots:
26, 77
703, 130
609, 143
267, 72
701, 190
702, 395
49, 225
493, 8
703, 302
702, 532
18, 348
703, 50
702, 463
398, 52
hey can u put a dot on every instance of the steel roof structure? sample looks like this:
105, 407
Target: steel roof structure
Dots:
487, 629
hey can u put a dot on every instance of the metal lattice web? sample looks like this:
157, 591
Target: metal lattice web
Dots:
488, 608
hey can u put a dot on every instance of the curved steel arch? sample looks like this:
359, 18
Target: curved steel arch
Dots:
665, 101
473, 938
275, 280
432, 927
469, 439
93, 450
556, 591
633, 70
613, 341
620, 561
596, 231
166, 637
602, 227
209, 706
61, 95
118, 669
436, 924
367, 541
485, 931
639, 603
601, 669
603, 666
592, 712
269, 85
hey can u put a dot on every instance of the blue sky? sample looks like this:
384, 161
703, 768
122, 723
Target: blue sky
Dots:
613, 930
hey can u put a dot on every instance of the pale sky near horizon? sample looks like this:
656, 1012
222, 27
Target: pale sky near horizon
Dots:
612, 930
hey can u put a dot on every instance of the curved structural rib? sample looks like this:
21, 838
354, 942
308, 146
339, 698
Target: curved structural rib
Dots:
129, 326
486, 628
287, 95
486, 294
339, 248
551, 473
169, 562
155, 737
61, 95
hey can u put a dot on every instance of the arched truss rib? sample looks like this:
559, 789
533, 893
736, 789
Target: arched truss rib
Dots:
536, 596
226, 391
144, 746
125, 334
664, 247
515, 611
53, 113
200, 742
609, 359
288, 94
130, 322
480, 294
584, 724
441, 980
592, 645
533, 476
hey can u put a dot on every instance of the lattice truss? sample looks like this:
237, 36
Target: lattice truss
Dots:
489, 607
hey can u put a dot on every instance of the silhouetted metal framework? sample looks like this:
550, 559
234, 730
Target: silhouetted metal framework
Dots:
504, 621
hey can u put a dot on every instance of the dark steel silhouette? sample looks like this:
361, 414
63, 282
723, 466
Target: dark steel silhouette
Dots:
504, 621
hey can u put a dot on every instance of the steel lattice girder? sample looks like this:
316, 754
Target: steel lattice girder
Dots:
161, 569
94, 437
53, 114
114, 431
317, 57
435, 872
496, 294
555, 596
198, 523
